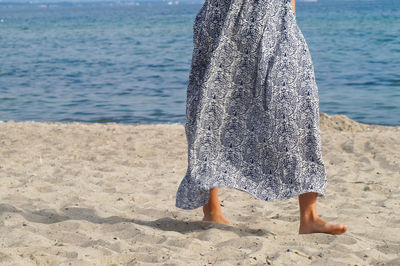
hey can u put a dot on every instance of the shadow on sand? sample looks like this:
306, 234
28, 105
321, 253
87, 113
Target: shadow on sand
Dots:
50, 216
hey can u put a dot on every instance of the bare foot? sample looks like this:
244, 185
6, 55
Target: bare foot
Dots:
318, 225
214, 214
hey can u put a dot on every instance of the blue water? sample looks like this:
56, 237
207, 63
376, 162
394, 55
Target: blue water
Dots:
130, 64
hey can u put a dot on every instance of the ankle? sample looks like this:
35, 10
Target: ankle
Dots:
212, 207
308, 218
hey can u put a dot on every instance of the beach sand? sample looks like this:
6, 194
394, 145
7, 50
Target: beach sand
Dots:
104, 194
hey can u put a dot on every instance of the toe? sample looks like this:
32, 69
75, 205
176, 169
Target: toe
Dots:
339, 229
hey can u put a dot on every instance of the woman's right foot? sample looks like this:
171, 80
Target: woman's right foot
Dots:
317, 225
213, 213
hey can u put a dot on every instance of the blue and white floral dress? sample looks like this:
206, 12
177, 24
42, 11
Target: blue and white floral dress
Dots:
252, 109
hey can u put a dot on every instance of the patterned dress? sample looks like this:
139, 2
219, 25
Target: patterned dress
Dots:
252, 109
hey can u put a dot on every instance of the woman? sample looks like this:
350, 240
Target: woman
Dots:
252, 111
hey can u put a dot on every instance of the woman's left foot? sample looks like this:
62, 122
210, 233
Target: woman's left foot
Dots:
214, 214
318, 225
216, 219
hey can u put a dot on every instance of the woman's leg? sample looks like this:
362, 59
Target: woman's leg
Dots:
309, 220
212, 210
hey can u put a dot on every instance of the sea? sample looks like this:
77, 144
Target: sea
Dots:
129, 62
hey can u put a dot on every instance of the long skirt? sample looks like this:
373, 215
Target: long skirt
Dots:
252, 108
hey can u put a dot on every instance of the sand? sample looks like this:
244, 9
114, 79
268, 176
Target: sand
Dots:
104, 194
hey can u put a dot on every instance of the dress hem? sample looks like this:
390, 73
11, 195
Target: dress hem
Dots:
320, 194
